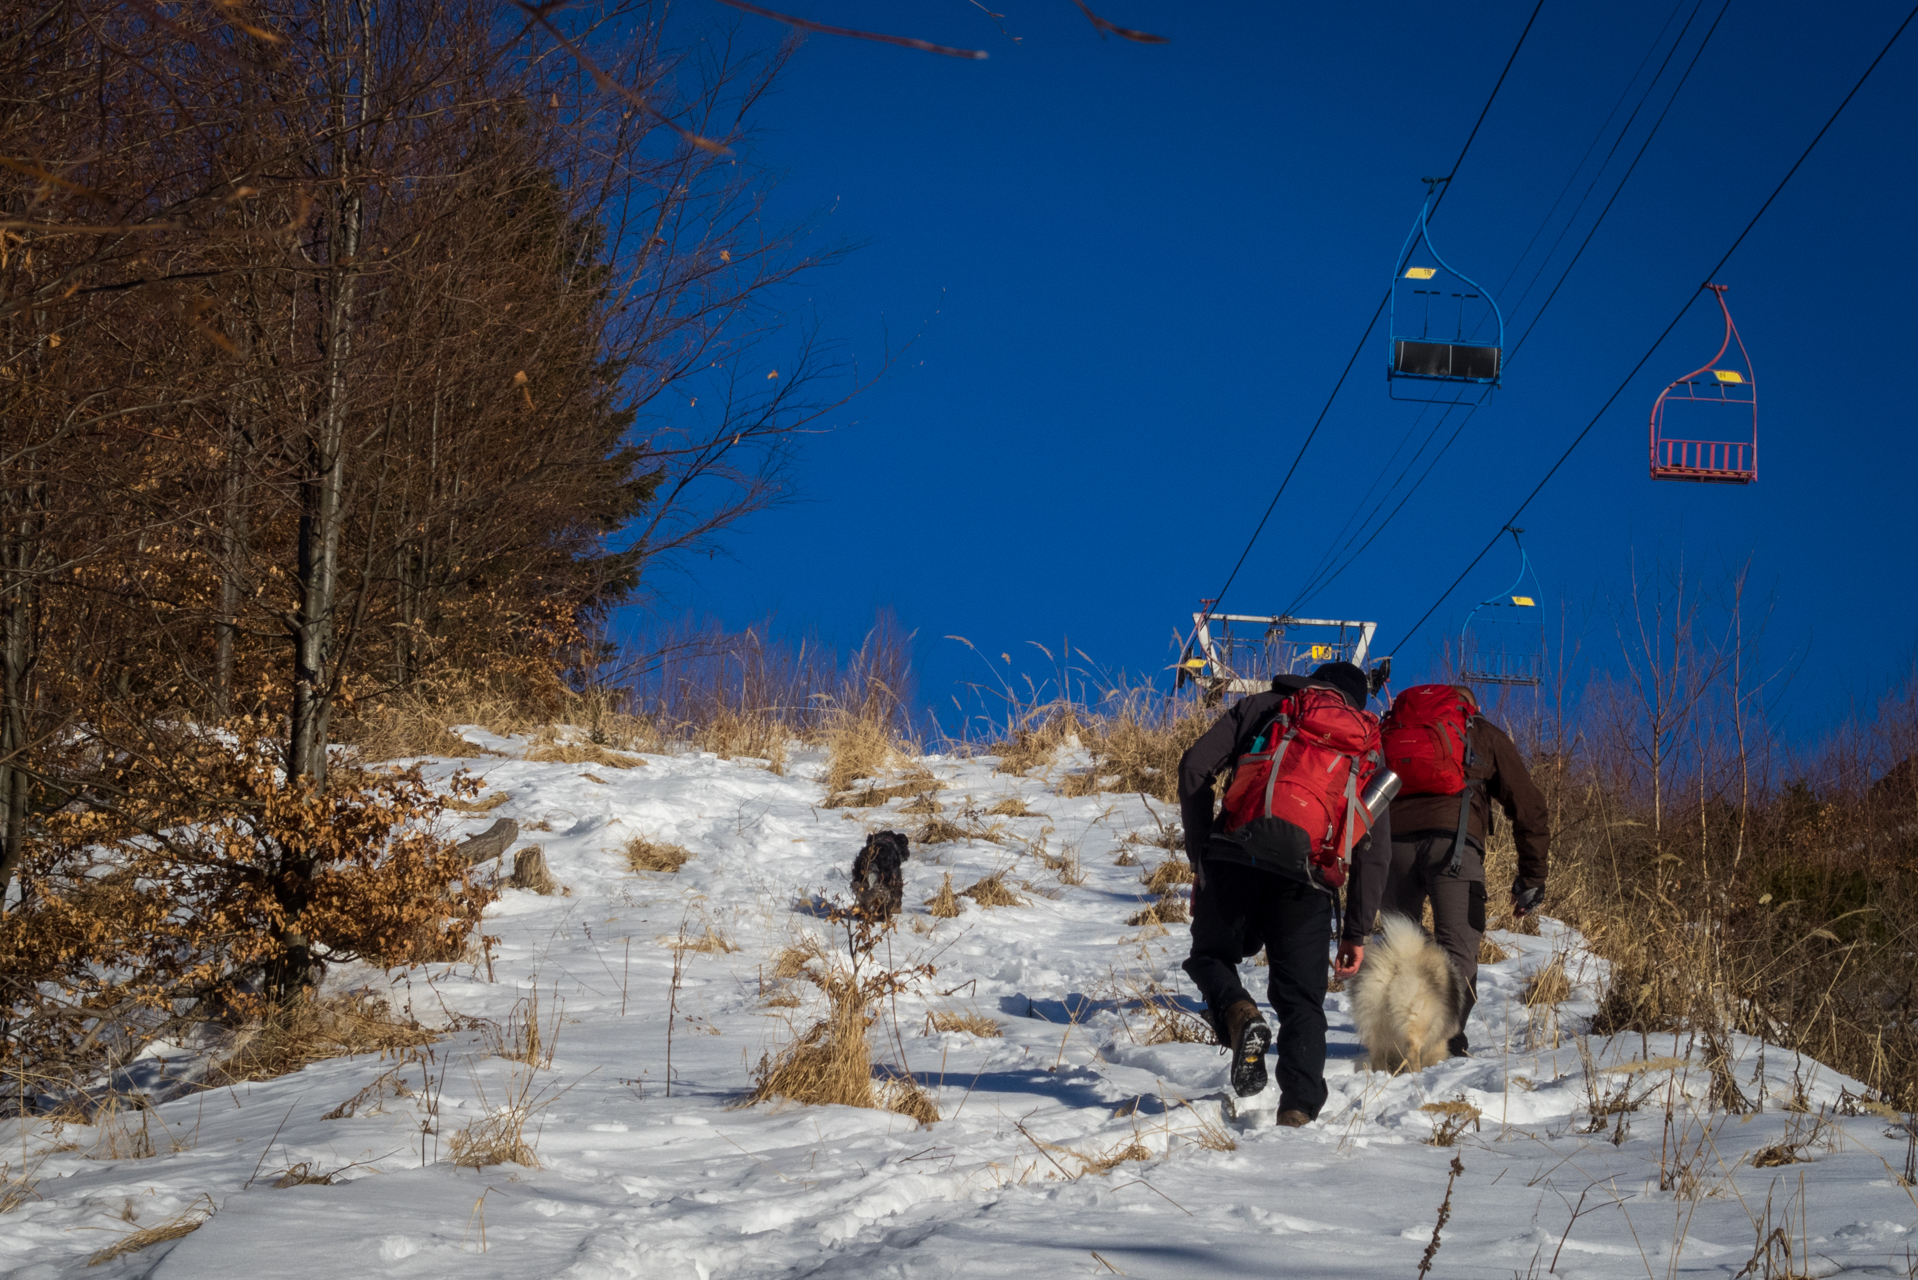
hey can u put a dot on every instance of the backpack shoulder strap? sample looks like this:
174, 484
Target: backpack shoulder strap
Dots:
1464, 801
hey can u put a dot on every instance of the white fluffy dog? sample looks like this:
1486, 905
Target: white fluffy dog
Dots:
1406, 998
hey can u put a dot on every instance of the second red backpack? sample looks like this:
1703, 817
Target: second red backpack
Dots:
1425, 739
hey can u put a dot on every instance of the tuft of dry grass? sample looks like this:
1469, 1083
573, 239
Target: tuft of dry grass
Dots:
924, 803
314, 1029
1549, 985
1449, 1120
902, 1095
643, 853
531, 872
497, 1137
486, 805
1173, 871
991, 891
972, 1024
555, 751
1489, 952
830, 1062
1034, 743
939, 831
944, 904
857, 747
711, 942
1012, 807
184, 1223
1125, 859
792, 961
1136, 747
1169, 909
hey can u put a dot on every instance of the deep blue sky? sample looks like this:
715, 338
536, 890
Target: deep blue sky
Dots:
1140, 269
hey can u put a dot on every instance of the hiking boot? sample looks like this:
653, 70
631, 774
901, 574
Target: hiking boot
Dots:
1248, 1037
1294, 1119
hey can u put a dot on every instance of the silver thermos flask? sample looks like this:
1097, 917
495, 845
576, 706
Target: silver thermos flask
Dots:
1378, 793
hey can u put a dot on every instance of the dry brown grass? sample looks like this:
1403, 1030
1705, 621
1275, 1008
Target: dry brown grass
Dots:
643, 853
1489, 952
496, 1137
730, 734
991, 891
972, 1024
1549, 985
711, 942
314, 1029
1449, 1120
530, 871
1169, 909
924, 803
1135, 749
547, 750
1125, 858
830, 1062
1171, 872
1012, 807
486, 805
186, 1222
939, 831
857, 748
792, 960
944, 904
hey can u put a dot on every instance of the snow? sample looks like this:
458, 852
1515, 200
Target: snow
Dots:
636, 1183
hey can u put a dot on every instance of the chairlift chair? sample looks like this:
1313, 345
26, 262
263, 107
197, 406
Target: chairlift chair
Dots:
1730, 458
1439, 353
1503, 639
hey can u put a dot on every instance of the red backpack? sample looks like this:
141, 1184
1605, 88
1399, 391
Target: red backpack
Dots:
1425, 737
1294, 799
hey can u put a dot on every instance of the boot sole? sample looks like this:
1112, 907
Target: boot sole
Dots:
1248, 1059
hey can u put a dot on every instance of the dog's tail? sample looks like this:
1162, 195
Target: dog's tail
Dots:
1405, 1000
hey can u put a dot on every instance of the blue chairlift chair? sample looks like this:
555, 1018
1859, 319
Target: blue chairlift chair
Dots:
1439, 319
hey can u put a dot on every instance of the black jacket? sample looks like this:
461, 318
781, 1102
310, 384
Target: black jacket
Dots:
1227, 740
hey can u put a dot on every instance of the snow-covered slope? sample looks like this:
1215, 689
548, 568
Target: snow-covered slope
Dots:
636, 1183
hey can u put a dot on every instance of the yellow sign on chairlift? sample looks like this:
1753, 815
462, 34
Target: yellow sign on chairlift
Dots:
1728, 375
1420, 273
1193, 664
1525, 600
1325, 653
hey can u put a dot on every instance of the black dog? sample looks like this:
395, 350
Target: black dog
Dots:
878, 875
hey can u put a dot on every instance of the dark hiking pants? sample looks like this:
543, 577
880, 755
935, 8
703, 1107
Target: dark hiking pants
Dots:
1420, 864
1241, 909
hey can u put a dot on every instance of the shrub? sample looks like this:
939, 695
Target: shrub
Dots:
215, 886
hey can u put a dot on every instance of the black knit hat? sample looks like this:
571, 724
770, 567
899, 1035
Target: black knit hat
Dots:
1347, 679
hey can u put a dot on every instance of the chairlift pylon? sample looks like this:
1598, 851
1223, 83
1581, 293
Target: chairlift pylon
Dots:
1439, 354
1503, 639
1732, 457
1239, 653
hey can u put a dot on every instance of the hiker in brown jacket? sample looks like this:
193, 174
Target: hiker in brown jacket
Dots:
1424, 831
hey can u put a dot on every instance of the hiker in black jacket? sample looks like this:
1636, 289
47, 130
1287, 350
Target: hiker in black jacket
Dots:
1239, 907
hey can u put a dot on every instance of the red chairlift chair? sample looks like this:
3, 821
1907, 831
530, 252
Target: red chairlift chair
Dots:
1723, 460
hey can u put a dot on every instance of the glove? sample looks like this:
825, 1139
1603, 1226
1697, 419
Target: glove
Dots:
1525, 900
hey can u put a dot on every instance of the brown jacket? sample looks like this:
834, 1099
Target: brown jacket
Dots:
1497, 761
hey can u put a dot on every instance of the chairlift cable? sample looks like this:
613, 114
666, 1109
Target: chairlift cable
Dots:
1666, 332
1319, 578
1373, 322
1579, 168
1538, 315
1619, 141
